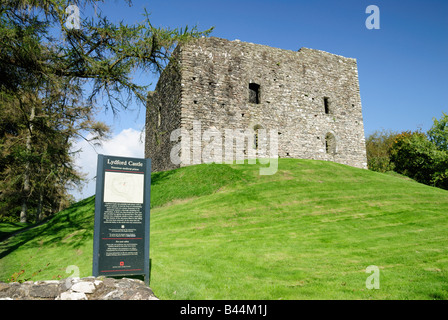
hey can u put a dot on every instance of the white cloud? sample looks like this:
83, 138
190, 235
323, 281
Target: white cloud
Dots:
127, 143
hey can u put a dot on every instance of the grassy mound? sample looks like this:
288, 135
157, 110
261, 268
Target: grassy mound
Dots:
307, 232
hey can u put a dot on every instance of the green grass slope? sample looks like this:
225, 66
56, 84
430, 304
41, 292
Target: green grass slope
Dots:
307, 232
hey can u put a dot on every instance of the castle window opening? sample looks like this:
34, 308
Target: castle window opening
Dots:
327, 105
256, 137
330, 143
254, 93
159, 116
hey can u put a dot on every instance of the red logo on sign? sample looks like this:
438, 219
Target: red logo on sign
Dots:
121, 263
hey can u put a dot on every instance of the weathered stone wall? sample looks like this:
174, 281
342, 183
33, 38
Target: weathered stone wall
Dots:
163, 115
89, 288
311, 97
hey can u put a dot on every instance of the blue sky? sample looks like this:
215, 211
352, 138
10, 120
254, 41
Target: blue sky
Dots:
403, 66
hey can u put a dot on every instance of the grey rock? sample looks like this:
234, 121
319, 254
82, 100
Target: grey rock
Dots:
78, 289
84, 287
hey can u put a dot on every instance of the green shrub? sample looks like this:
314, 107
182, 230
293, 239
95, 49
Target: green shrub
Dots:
415, 156
378, 146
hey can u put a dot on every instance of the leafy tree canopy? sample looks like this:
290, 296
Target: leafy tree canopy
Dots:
37, 46
438, 134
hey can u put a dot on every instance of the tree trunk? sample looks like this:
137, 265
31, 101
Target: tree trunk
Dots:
23, 212
40, 214
26, 179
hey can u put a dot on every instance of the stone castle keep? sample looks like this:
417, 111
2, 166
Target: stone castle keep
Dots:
309, 96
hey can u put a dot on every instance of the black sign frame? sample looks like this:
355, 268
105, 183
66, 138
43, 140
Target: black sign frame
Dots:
122, 222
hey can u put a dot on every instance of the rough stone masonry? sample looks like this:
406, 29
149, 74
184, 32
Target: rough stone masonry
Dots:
89, 288
310, 97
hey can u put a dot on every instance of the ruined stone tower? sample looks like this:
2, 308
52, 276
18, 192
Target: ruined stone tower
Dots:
310, 97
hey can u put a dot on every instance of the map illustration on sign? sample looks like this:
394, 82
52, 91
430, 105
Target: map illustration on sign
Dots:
123, 187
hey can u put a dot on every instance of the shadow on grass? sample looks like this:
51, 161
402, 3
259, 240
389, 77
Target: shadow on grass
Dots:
9, 229
79, 216
158, 177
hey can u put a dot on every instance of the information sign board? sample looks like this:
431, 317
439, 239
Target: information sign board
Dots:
121, 232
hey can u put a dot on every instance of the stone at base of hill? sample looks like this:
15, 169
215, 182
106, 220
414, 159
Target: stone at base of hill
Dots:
89, 288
